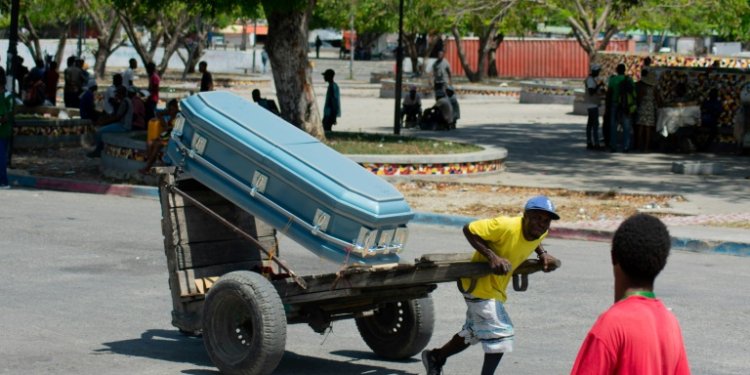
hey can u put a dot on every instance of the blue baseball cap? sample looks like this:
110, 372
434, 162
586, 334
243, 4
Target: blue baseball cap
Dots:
542, 203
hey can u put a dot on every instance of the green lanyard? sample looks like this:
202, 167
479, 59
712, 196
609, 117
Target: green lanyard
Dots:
643, 293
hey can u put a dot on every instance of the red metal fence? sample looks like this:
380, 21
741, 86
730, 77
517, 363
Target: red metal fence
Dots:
533, 58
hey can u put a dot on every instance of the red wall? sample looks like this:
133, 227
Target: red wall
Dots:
533, 58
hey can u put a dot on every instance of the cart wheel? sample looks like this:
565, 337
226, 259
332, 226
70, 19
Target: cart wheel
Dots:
399, 330
244, 324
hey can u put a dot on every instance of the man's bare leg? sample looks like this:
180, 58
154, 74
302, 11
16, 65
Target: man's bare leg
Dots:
491, 361
455, 346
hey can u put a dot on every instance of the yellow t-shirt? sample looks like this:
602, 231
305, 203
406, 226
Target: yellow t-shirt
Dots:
505, 237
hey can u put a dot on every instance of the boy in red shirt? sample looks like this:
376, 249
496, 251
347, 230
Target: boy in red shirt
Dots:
638, 334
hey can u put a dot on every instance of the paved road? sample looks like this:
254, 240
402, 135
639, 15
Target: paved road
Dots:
85, 292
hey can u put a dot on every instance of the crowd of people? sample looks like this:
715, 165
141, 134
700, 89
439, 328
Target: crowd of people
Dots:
444, 114
632, 112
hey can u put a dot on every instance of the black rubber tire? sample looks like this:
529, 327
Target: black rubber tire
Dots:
398, 330
244, 324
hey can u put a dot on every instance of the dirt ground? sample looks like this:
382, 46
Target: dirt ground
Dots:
479, 200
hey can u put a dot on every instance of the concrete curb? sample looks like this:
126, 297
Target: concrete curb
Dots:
583, 234
62, 184
427, 218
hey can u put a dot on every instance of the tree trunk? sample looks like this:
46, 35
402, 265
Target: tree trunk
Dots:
471, 75
194, 47
61, 42
31, 41
410, 49
108, 27
128, 24
287, 50
201, 35
100, 63
243, 44
432, 40
492, 56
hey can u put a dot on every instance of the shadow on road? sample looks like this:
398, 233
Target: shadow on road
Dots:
162, 344
168, 345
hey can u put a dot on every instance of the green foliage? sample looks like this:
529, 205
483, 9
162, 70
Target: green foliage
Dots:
379, 144
426, 16
42, 12
725, 18
370, 16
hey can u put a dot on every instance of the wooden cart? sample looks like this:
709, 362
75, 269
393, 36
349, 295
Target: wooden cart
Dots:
228, 284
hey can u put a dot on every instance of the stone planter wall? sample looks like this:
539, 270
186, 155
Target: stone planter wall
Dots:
544, 93
123, 155
388, 90
37, 133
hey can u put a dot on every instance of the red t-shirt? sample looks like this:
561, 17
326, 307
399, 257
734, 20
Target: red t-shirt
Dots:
636, 336
153, 87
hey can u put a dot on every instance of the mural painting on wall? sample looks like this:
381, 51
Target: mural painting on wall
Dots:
634, 62
696, 76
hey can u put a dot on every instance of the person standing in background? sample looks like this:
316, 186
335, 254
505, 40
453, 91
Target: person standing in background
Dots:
332, 107
264, 58
153, 90
645, 125
74, 83
51, 78
128, 76
6, 131
441, 75
207, 80
318, 43
594, 86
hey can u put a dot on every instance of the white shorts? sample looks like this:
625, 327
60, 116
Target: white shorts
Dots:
487, 322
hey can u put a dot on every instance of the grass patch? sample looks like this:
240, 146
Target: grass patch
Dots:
385, 144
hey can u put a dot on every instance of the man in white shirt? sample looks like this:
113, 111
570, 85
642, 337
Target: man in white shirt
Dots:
594, 86
441, 74
128, 76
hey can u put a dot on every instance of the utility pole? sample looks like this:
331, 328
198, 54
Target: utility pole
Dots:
351, 44
80, 36
255, 39
12, 46
399, 69
12, 69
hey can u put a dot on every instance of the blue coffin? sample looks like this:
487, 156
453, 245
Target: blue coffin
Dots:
282, 175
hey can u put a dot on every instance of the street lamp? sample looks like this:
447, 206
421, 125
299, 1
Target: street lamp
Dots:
399, 69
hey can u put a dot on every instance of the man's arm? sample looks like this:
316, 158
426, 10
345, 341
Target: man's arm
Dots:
548, 261
115, 117
499, 265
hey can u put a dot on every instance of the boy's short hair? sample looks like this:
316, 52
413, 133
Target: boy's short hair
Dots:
641, 247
